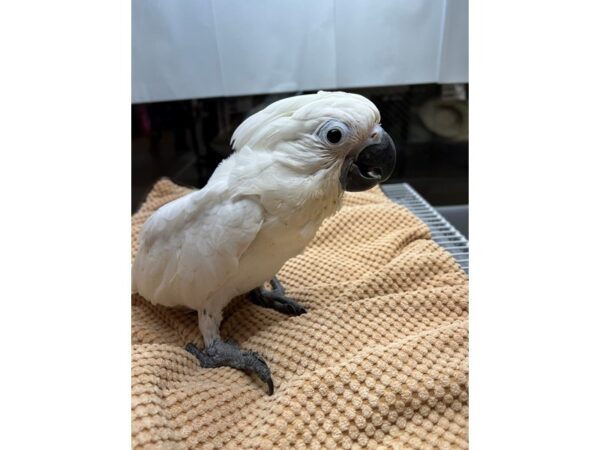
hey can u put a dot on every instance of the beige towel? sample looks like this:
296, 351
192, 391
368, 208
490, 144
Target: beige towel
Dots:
379, 361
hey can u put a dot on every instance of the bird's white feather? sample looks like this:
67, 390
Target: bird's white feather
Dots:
262, 205
190, 247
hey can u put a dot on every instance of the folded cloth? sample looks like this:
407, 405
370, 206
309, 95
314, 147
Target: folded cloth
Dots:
379, 361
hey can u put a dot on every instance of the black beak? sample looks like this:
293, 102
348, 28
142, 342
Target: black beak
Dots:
374, 164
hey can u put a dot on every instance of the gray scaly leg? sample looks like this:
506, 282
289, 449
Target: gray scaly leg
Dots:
228, 354
219, 353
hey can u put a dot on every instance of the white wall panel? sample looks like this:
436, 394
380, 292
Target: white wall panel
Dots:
454, 55
387, 42
204, 48
275, 46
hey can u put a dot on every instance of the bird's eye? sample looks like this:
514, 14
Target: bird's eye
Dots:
333, 132
334, 135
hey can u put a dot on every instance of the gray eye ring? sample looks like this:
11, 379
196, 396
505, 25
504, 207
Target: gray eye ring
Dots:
334, 132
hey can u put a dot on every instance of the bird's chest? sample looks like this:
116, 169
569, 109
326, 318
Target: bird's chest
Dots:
291, 230
282, 237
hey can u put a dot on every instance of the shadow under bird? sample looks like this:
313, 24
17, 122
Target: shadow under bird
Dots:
291, 164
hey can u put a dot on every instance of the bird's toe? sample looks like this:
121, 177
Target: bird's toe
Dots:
256, 364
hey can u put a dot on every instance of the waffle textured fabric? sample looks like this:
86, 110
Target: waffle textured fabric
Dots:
379, 360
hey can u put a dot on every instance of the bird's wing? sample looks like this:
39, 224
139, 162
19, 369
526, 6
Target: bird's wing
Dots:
189, 248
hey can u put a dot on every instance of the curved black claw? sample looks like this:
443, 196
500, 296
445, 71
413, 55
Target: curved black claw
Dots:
228, 354
288, 306
260, 368
276, 299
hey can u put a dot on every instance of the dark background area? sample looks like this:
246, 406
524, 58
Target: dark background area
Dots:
186, 140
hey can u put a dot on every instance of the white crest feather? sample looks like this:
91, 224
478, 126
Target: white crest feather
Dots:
284, 114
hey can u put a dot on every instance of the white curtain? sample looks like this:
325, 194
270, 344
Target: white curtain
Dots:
184, 49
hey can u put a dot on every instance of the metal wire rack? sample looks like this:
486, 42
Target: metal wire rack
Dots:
442, 231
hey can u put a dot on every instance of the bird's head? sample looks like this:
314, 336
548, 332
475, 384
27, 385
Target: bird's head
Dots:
335, 132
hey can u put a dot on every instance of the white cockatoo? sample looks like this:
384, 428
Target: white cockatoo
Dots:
291, 164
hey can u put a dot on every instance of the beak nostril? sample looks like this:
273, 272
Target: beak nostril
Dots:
374, 136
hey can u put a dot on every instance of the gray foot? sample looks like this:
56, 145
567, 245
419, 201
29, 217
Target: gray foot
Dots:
228, 354
276, 299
